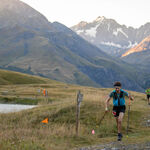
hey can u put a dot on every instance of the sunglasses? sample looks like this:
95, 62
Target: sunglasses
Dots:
117, 88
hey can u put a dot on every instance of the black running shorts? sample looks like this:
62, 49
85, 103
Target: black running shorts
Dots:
118, 109
148, 96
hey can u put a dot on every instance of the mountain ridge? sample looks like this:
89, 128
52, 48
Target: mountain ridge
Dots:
110, 36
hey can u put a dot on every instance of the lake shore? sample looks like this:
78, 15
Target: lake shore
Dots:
7, 108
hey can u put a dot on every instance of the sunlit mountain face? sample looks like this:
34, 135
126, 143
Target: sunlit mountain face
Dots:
142, 46
139, 55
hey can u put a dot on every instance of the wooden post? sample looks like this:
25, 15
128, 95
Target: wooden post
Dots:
79, 100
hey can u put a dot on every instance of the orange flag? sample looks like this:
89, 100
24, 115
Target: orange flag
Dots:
44, 92
45, 120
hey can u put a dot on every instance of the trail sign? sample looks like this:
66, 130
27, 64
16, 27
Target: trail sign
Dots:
79, 98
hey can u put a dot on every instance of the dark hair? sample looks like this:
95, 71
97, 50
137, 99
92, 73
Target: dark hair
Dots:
117, 83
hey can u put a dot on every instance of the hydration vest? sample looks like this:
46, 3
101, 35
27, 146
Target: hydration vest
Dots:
116, 96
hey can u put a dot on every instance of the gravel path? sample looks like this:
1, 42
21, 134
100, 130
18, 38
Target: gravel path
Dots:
118, 146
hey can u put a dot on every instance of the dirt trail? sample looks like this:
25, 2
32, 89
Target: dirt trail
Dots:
118, 146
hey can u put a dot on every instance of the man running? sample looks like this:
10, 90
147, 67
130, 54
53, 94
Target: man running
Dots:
148, 95
119, 107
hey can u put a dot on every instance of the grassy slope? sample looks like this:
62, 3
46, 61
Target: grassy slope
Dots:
24, 130
11, 77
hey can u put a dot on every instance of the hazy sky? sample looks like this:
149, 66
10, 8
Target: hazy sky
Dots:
70, 12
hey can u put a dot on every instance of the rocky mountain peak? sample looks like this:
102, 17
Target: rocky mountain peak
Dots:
81, 24
99, 19
17, 13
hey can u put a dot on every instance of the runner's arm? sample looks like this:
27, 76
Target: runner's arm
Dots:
131, 97
107, 103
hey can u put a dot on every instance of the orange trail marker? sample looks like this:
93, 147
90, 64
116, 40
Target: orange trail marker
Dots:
45, 120
44, 92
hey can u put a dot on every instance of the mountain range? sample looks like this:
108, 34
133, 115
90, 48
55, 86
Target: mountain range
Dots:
110, 36
31, 44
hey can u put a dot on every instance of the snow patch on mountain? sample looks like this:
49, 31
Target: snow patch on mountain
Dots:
79, 31
131, 45
111, 44
99, 19
92, 41
121, 31
118, 45
108, 27
92, 31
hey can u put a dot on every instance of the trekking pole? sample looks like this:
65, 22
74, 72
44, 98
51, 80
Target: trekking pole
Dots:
128, 115
102, 118
93, 131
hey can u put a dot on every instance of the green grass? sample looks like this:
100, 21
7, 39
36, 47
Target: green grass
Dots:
15, 144
10, 77
25, 101
15, 100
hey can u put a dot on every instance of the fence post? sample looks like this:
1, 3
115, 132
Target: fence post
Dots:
79, 100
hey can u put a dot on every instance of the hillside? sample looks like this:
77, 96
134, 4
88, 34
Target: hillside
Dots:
16, 13
10, 77
24, 130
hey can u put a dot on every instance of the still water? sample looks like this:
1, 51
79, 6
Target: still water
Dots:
6, 108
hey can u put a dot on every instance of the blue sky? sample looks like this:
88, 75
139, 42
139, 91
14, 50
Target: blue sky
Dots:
70, 12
